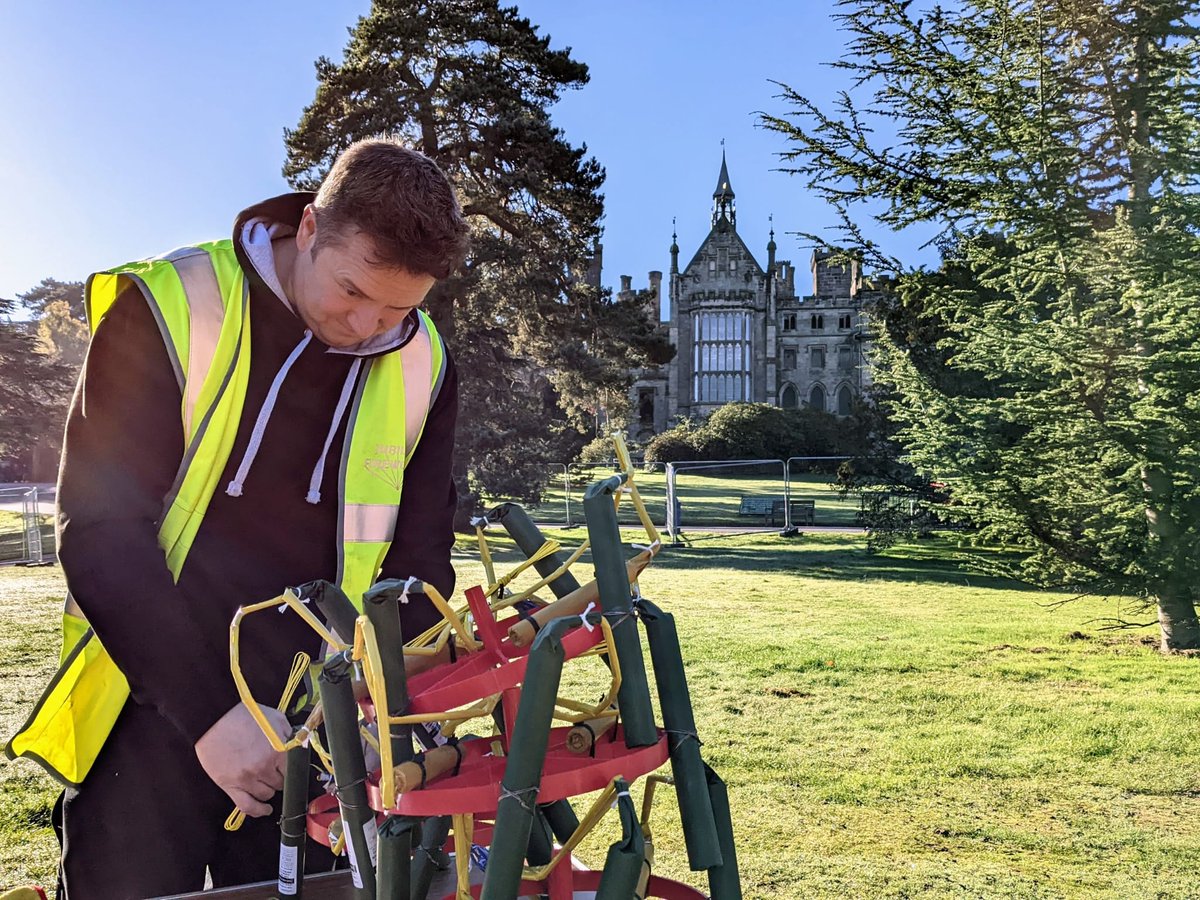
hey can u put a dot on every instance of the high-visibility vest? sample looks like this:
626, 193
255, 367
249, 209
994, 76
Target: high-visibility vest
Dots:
200, 300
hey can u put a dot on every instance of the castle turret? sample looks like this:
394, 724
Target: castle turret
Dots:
724, 215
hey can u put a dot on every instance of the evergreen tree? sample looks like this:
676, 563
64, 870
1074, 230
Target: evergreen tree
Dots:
33, 390
1054, 361
470, 83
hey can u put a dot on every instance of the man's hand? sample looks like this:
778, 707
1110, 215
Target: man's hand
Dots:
240, 760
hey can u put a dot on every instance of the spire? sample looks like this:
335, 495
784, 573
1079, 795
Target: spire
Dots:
771, 246
674, 248
724, 188
724, 211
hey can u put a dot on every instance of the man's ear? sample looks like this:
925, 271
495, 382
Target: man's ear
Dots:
306, 233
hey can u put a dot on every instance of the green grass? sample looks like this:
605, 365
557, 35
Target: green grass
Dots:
710, 497
888, 727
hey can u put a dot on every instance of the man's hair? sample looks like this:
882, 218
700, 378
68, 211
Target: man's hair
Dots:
398, 198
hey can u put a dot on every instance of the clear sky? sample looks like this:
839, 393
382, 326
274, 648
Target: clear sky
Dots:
134, 127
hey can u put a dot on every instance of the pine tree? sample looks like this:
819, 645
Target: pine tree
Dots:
33, 390
1057, 147
470, 83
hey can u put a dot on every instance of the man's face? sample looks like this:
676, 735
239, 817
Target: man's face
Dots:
342, 295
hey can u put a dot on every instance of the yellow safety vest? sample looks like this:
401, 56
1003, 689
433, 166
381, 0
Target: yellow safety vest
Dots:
200, 300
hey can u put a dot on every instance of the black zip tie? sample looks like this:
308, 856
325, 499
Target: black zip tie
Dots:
616, 723
453, 649
453, 742
683, 736
337, 792
519, 796
526, 617
592, 732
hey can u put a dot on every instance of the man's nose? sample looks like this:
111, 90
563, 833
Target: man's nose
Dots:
365, 323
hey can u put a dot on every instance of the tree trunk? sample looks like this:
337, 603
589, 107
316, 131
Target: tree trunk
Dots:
1177, 620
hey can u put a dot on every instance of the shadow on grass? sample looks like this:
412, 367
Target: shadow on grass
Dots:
842, 559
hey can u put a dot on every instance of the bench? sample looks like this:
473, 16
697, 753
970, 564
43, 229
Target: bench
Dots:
771, 510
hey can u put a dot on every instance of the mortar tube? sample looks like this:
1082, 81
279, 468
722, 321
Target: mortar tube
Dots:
339, 612
679, 721
623, 865
523, 766
529, 540
429, 856
382, 607
293, 818
724, 882
349, 772
612, 579
393, 879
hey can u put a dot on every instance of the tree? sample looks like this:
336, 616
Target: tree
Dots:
469, 83
1057, 147
57, 308
31, 392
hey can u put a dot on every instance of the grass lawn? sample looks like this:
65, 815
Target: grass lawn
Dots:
888, 727
707, 497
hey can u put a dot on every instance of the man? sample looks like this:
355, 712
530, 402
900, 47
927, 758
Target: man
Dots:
317, 407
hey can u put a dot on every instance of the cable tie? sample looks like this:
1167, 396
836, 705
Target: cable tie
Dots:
412, 579
480, 522
420, 761
649, 548
617, 799
519, 796
453, 742
583, 616
283, 607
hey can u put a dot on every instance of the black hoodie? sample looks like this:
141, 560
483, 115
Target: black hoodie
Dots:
124, 442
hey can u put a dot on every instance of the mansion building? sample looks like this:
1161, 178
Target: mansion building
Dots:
743, 333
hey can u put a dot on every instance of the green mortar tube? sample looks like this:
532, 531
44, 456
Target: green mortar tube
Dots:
429, 857
292, 821
393, 877
612, 579
382, 606
526, 755
530, 539
349, 772
724, 883
695, 807
623, 866
561, 818
334, 605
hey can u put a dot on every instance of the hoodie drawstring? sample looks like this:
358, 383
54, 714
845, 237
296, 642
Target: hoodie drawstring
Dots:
234, 488
314, 483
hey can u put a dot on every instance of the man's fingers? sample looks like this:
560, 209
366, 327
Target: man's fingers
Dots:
248, 804
261, 790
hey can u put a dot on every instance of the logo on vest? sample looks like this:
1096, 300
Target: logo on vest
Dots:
387, 464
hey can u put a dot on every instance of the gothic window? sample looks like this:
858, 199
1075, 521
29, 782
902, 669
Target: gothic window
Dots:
789, 357
844, 398
789, 399
789, 321
646, 408
722, 357
844, 322
712, 265
816, 399
845, 358
733, 267
818, 322
817, 357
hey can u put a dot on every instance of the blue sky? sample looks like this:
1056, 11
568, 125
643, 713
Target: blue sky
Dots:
137, 127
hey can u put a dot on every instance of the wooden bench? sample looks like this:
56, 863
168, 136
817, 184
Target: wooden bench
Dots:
771, 510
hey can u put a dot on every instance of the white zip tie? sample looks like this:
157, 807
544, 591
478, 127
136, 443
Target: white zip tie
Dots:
583, 617
412, 579
649, 547
480, 522
283, 607
617, 799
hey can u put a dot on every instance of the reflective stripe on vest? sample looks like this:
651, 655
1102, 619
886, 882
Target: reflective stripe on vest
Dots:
200, 301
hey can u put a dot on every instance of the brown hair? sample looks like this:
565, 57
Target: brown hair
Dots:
401, 200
